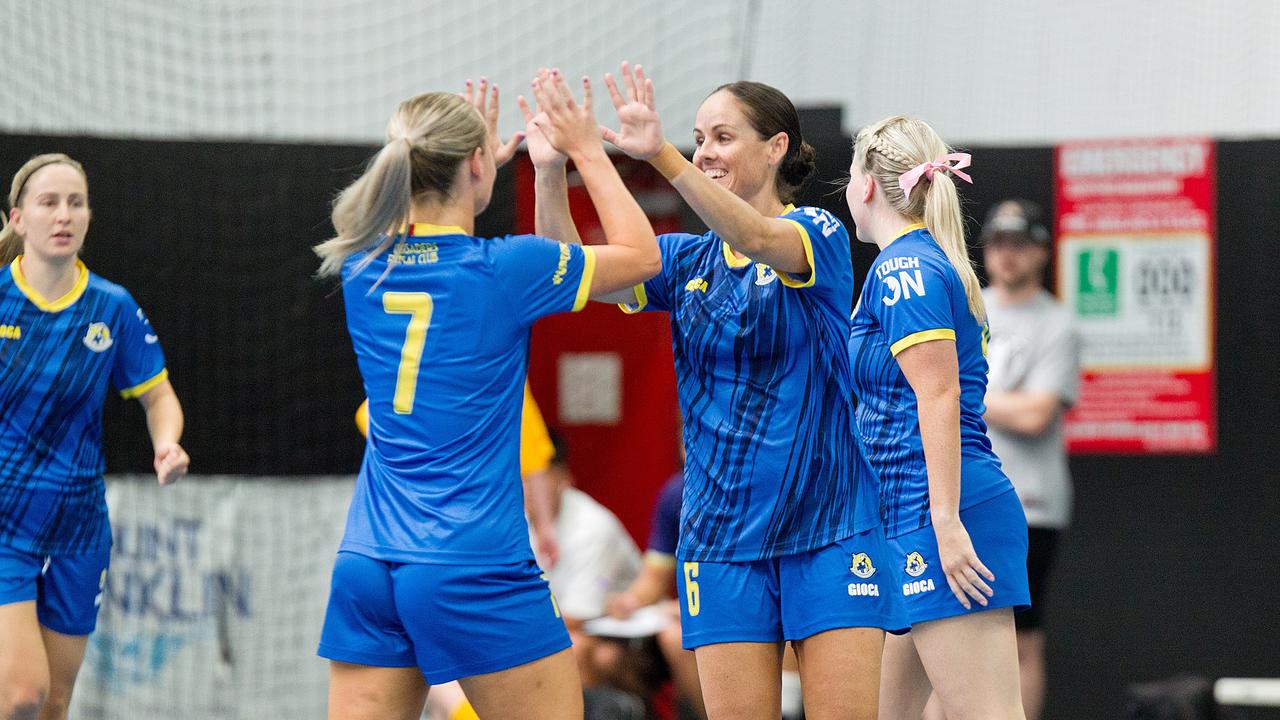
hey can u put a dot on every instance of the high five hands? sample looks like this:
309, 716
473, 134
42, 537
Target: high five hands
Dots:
639, 133
485, 99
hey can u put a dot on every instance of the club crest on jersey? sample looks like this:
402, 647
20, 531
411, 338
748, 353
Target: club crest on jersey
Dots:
765, 274
98, 338
696, 284
862, 566
10, 332
916, 565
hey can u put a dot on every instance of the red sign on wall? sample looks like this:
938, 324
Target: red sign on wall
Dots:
605, 380
1135, 250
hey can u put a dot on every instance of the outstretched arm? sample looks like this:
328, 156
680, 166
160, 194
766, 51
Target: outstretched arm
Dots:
164, 422
631, 255
551, 216
763, 239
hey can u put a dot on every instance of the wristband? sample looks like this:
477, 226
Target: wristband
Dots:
669, 162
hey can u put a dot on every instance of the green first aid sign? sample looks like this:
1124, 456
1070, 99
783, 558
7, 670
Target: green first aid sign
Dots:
1098, 282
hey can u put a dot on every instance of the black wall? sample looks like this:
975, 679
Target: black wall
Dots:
1171, 563
213, 240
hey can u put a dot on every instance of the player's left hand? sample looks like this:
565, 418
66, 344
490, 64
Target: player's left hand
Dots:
170, 463
639, 133
485, 98
542, 153
964, 571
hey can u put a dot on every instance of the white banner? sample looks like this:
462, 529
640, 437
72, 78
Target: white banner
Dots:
214, 600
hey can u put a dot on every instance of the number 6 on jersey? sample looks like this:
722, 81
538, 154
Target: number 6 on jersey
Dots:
417, 305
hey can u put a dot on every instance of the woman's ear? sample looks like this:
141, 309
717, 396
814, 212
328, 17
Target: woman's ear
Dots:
778, 145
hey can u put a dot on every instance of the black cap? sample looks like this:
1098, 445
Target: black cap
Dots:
1016, 217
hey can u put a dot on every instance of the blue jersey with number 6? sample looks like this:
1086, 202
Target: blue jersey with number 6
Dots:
440, 326
763, 378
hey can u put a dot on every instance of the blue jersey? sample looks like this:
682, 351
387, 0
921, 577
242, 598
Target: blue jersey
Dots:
763, 381
56, 360
912, 295
440, 326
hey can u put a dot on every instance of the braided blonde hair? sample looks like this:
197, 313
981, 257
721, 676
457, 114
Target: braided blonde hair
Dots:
894, 146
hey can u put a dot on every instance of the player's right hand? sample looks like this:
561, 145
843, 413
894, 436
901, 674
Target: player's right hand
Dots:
639, 134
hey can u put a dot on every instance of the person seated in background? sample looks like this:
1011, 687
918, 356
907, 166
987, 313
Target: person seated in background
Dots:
656, 585
597, 558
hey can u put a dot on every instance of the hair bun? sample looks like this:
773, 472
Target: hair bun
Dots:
798, 166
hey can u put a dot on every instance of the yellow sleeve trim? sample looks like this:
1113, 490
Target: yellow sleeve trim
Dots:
923, 336
536, 449
660, 559
143, 388
808, 253
588, 274
642, 299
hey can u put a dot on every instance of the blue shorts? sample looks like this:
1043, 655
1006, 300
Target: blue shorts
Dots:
843, 585
67, 589
998, 530
451, 621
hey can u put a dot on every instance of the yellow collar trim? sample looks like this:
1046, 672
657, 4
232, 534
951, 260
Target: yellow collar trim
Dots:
740, 262
909, 229
62, 303
426, 229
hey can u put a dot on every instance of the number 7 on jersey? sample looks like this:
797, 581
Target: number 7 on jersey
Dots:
418, 306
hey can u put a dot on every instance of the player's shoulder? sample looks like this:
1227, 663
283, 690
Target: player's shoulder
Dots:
113, 292
815, 218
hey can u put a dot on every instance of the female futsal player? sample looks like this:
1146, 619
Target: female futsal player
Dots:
918, 350
435, 579
65, 335
779, 538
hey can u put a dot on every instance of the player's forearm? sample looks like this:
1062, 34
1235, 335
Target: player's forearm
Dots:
624, 223
164, 414
551, 216
939, 417
760, 238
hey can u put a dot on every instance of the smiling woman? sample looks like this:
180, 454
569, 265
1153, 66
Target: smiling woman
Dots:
68, 335
777, 497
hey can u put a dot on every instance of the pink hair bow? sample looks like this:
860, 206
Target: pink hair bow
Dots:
908, 179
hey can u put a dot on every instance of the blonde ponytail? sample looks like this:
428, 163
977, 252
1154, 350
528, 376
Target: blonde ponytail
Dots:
427, 138
10, 241
894, 146
369, 208
946, 224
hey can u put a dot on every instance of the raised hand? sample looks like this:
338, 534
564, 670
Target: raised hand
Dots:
569, 127
541, 153
171, 462
965, 572
485, 99
640, 131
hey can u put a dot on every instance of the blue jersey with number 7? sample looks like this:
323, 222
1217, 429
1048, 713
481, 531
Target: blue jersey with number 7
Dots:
440, 326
